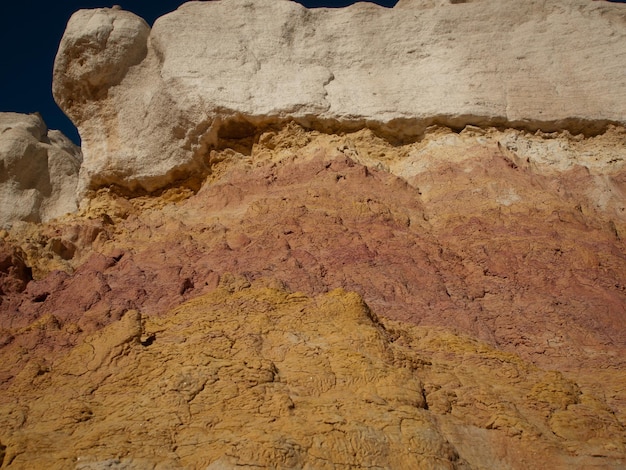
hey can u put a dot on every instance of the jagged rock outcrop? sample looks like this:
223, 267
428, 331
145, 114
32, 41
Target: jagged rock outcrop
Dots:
150, 105
38, 170
14, 272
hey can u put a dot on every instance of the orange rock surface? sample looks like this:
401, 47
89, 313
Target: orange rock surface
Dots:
479, 321
260, 377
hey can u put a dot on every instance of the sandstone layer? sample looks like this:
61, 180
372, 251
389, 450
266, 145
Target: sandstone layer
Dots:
150, 104
202, 326
38, 170
351, 238
257, 377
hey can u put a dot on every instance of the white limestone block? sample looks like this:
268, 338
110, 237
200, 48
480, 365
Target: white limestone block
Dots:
149, 105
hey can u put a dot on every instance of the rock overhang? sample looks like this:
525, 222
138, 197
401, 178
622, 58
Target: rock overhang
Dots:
209, 65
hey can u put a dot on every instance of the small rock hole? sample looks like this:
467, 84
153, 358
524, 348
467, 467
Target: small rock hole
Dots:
41, 297
148, 341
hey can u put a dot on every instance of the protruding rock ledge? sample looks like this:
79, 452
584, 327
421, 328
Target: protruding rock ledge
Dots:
149, 107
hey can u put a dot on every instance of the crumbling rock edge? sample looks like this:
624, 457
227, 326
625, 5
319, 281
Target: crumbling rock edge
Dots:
399, 131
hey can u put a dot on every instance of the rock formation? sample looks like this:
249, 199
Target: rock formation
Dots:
200, 328
268, 276
260, 377
38, 170
215, 70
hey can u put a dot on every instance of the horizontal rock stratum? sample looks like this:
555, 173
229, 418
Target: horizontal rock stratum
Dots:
151, 103
254, 377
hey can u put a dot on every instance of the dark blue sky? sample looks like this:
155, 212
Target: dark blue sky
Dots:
30, 32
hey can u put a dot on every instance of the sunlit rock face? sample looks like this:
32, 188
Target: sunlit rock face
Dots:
38, 170
150, 104
257, 376
329, 300
349, 238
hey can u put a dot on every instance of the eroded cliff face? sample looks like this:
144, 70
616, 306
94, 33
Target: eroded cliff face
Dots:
254, 376
38, 170
341, 255
479, 321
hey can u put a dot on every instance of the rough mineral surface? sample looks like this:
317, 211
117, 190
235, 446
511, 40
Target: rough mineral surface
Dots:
38, 170
149, 104
258, 377
330, 301
324, 239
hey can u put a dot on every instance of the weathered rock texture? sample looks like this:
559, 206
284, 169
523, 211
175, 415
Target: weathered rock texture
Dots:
324, 278
149, 105
38, 170
258, 377
168, 329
